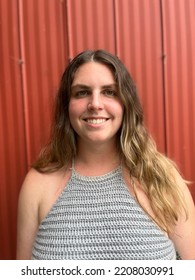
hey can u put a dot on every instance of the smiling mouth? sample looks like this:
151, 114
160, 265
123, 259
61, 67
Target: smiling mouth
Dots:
96, 121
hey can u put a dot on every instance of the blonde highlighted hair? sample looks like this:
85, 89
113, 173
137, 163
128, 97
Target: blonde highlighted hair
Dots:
153, 170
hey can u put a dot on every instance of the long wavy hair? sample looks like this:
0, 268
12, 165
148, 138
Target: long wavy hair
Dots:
153, 170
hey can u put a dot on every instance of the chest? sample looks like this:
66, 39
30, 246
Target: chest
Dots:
99, 220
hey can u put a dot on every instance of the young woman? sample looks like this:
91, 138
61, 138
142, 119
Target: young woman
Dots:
100, 189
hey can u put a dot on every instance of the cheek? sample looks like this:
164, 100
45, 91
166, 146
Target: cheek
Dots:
119, 110
72, 112
120, 114
75, 110
73, 107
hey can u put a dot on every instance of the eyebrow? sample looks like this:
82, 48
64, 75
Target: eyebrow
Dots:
83, 86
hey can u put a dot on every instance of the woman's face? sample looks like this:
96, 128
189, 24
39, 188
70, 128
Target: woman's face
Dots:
95, 110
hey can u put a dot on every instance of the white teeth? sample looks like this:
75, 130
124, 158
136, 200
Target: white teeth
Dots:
96, 121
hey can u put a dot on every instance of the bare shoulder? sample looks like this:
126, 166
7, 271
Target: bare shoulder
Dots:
27, 216
36, 182
32, 181
30, 190
183, 234
181, 183
186, 194
37, 195
42, 189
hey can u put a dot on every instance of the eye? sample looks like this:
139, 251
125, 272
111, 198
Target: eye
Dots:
110, 92
81, 93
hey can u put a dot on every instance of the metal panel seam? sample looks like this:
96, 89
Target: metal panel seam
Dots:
163, 61
68, 24
23, 80
115, 27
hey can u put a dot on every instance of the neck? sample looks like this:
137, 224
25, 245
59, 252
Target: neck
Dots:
96, 160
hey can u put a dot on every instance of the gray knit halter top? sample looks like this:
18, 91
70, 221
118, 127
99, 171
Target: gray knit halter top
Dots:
97, 218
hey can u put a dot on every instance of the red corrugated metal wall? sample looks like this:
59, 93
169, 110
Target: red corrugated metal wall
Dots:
13, 164
155, 39
179, 71
33, 53
44, 51
91, 24
139, 33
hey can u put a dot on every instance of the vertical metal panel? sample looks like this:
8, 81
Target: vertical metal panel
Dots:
138, 33
90, 25
179, 46
42, 27
12, 138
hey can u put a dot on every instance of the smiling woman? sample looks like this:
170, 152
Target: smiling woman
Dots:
100, 189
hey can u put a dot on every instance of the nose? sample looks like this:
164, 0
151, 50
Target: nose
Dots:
95, 101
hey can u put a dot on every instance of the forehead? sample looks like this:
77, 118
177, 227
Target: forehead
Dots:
93, 73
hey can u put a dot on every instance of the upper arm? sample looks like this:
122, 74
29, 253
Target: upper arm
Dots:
183, 234
27, 222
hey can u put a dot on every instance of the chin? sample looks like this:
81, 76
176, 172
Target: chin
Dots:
100, 140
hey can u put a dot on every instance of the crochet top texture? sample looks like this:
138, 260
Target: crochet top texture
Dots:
97, 218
